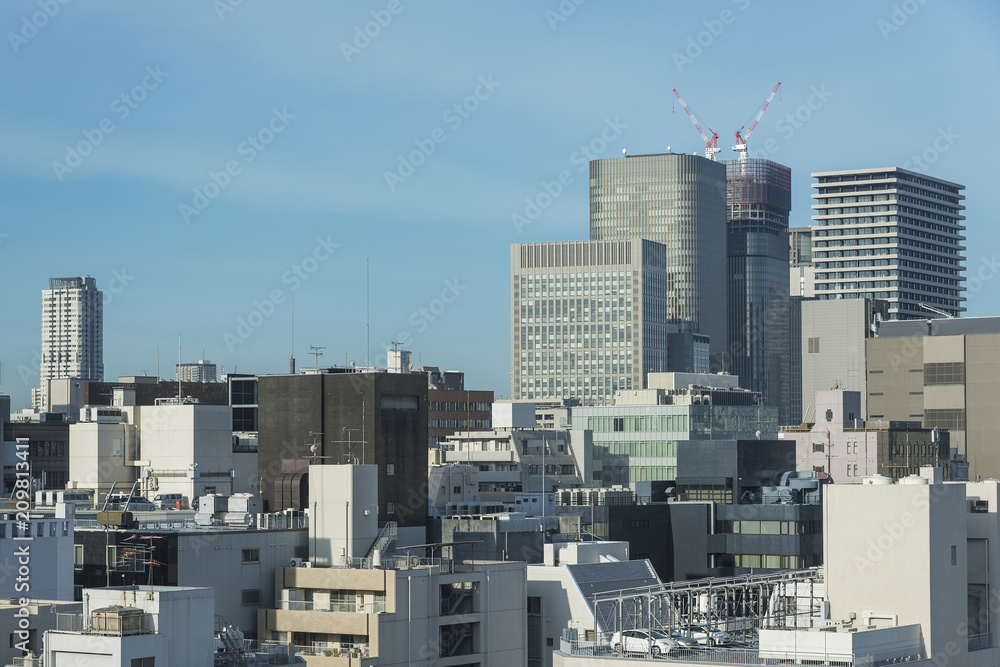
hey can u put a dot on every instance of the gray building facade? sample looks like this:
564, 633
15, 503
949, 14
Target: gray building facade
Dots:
679, 201
944, 373
587, 318
833, 352
889, 234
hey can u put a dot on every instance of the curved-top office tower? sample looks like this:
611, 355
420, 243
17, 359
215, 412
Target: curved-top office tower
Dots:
679, 201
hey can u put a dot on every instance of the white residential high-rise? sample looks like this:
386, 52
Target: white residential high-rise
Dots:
889, 234
72, 330
202, 371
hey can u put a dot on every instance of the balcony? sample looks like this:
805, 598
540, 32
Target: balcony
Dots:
377, 607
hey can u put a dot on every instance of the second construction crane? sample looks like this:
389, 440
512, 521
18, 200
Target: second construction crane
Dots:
711, 143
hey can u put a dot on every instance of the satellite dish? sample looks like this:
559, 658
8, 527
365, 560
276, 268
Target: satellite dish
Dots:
758, 435
624, 151
314, 448
668, 148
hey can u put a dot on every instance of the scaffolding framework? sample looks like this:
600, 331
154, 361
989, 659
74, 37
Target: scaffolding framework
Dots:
738, 605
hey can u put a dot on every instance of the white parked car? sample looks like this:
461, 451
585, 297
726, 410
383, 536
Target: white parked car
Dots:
707, 635
638, 641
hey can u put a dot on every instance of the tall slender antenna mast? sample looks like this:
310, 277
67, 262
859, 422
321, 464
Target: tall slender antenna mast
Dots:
291, 359
179, 393
368, 319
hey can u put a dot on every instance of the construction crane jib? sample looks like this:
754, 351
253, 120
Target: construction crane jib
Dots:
741, 141
711, 143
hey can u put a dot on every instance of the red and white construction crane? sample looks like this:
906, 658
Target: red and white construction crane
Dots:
741, 141
711, 143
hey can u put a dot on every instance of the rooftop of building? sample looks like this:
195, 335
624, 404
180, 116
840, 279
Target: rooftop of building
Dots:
940, 326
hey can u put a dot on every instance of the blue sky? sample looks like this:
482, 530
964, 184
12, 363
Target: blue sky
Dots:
247, 162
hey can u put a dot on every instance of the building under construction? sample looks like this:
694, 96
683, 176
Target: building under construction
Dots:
761, 337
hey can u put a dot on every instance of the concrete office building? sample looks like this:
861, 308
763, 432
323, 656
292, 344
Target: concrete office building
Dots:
833, 353
679, 201
170, 549
49, 538
587, 318
944, 373
561, 591
41, 616
356, 598
758, 200
635, 440
801, 270
165, 625
72, 329
849, 449
340, 417
889, 234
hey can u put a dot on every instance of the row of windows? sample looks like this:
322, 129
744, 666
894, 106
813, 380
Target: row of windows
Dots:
650, 448
770, 527
767, 561
637, 423
460, 423
458, 406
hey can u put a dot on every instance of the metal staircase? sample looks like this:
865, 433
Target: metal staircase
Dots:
386, 538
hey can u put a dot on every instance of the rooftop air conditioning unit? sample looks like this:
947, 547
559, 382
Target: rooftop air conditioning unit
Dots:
295, 562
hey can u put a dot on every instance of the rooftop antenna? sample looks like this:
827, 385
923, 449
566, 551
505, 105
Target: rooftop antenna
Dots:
291, 359
368, 319
317, 351
179, 393
157, 363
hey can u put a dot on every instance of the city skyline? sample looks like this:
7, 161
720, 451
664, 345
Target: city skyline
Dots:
211, 163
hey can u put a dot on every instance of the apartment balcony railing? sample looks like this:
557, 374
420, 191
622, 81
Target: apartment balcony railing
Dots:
377, 607
112, 623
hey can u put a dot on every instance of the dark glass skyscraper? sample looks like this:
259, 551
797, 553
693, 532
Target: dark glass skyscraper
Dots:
758, 201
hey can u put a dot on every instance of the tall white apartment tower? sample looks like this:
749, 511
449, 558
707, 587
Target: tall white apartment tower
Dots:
72, 330
889, 234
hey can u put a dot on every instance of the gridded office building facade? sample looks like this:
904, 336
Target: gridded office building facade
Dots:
889, 234
72, 330
679, 201
587, 318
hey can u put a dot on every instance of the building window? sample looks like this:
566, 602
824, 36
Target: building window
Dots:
390, 508
456, 489
817, 447
829, 415
814, 346
251, 555
144, 662
78, 556
250, 596
954, 555
390, 469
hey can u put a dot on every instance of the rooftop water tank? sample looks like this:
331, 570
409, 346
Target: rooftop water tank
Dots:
914, 479
876, 480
